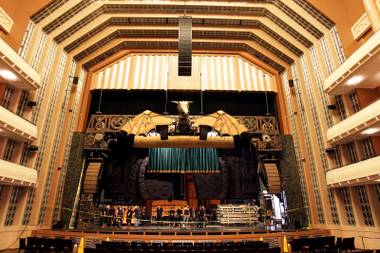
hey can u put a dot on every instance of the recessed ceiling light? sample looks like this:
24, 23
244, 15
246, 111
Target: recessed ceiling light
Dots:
9, 75
354, 80
371, 130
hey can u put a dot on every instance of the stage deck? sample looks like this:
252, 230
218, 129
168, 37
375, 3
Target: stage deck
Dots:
165, 234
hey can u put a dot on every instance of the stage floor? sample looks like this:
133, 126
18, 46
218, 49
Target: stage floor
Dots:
167, 234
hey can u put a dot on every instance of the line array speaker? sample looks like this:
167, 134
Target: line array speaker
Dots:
184, 46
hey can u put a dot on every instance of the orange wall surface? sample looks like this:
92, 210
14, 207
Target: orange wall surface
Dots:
20, 12
367, 96
344, 13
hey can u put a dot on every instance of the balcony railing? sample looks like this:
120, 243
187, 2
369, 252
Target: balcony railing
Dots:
13, 125
347, 129
366, 55
363, 172
30, 78
15, 174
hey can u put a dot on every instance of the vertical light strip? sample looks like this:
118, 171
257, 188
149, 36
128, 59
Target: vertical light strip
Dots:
113, 75
44, 82
149, 80
208, 74
338, 45
99, 80
327, 56
75, 107
232, 73
212, 74
241, 76
320, 85
120, 83
305, 127
12, 207
58, 133
248, 76
128, 74
261, 79
219, 74
107, 77
26, 39
156, 65
297, 146
334, 210
226, 83
143, 73
137, 74
38, 52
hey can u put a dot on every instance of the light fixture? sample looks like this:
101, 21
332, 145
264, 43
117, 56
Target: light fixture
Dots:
354, 80
212, 133
371, 130
9, 75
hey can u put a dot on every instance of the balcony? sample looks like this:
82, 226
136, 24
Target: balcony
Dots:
16, 71
364, 172
360, 70
14, 126
14, 174
352, 128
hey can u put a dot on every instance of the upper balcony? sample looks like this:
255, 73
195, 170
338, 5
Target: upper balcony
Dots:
14, 174
359, 125
364, 172
16, 127
360, 70
15, 71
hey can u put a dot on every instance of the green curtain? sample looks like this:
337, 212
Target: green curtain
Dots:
183, 160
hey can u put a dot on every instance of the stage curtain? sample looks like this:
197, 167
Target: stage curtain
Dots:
183, 160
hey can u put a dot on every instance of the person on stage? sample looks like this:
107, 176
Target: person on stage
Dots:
186, 215
137, 215
172, 216
159, 215
129, 216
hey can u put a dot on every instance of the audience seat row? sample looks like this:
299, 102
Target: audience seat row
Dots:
36, 244
325, 244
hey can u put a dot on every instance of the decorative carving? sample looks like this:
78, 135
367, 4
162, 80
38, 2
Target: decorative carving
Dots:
5, 21
361, 26
101, 129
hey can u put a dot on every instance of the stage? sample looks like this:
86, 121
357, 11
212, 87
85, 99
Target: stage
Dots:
154, 234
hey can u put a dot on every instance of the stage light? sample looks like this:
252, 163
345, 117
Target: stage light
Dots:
371, 130
33, 148
354, 80
9, 75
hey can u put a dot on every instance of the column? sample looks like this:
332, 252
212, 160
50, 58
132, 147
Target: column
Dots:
373, 13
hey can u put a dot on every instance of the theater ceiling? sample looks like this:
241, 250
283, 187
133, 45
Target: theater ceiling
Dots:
274, 32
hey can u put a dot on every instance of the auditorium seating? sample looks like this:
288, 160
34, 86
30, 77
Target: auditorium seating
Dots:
218, 247
323, 244
36, 244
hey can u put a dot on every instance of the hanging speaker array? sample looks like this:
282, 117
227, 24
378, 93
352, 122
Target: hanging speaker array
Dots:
184, 46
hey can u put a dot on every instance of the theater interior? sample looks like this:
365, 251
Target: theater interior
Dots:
189, 126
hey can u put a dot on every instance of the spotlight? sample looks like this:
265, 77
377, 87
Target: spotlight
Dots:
31, 103
33, 148
332, 107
